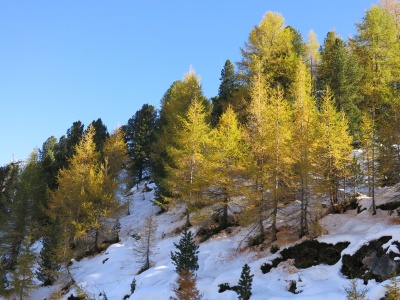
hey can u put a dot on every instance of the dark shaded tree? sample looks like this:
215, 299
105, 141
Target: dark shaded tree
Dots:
100, 135
65, 148
186, 258
50, 259
48, 162
227, 89
139, 136
340, 72
243, 288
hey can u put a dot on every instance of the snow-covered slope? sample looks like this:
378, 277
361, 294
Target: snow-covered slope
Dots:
220, 261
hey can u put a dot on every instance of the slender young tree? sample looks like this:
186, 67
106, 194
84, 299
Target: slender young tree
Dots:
335, 146
227, 164
145, 245
115, 156
270, 137
186, 289
368, 143
306, 142
186, 173
377, 46
313, 57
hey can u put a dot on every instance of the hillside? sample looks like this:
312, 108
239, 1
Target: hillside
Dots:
220, 261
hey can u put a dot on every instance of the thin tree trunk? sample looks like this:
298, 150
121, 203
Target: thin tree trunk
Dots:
373, 162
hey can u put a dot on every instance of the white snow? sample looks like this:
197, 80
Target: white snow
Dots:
220, 261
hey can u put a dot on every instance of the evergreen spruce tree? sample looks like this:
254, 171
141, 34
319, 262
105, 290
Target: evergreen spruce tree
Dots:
101, 134
66, 146
340, 72
48, 162
139, 136
228, 87
50, 258
186, 258
243, 288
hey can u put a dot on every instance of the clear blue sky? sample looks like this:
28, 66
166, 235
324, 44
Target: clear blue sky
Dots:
63, 61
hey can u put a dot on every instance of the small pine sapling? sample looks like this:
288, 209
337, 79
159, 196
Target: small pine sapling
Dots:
243, 289
186, 288
353, 292
186, 258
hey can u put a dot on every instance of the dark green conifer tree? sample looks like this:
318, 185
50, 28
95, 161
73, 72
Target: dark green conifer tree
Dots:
340, 72
243, 288
66, 145
139, 136
48, 162
101, 134
186, 258
50, 263
228, 87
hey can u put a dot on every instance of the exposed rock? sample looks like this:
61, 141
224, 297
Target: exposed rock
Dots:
307, 254
373, 261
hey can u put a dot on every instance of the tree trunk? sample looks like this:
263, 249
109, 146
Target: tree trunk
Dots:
187, 218
224, 220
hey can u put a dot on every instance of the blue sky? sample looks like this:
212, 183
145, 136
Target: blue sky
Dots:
63, 61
